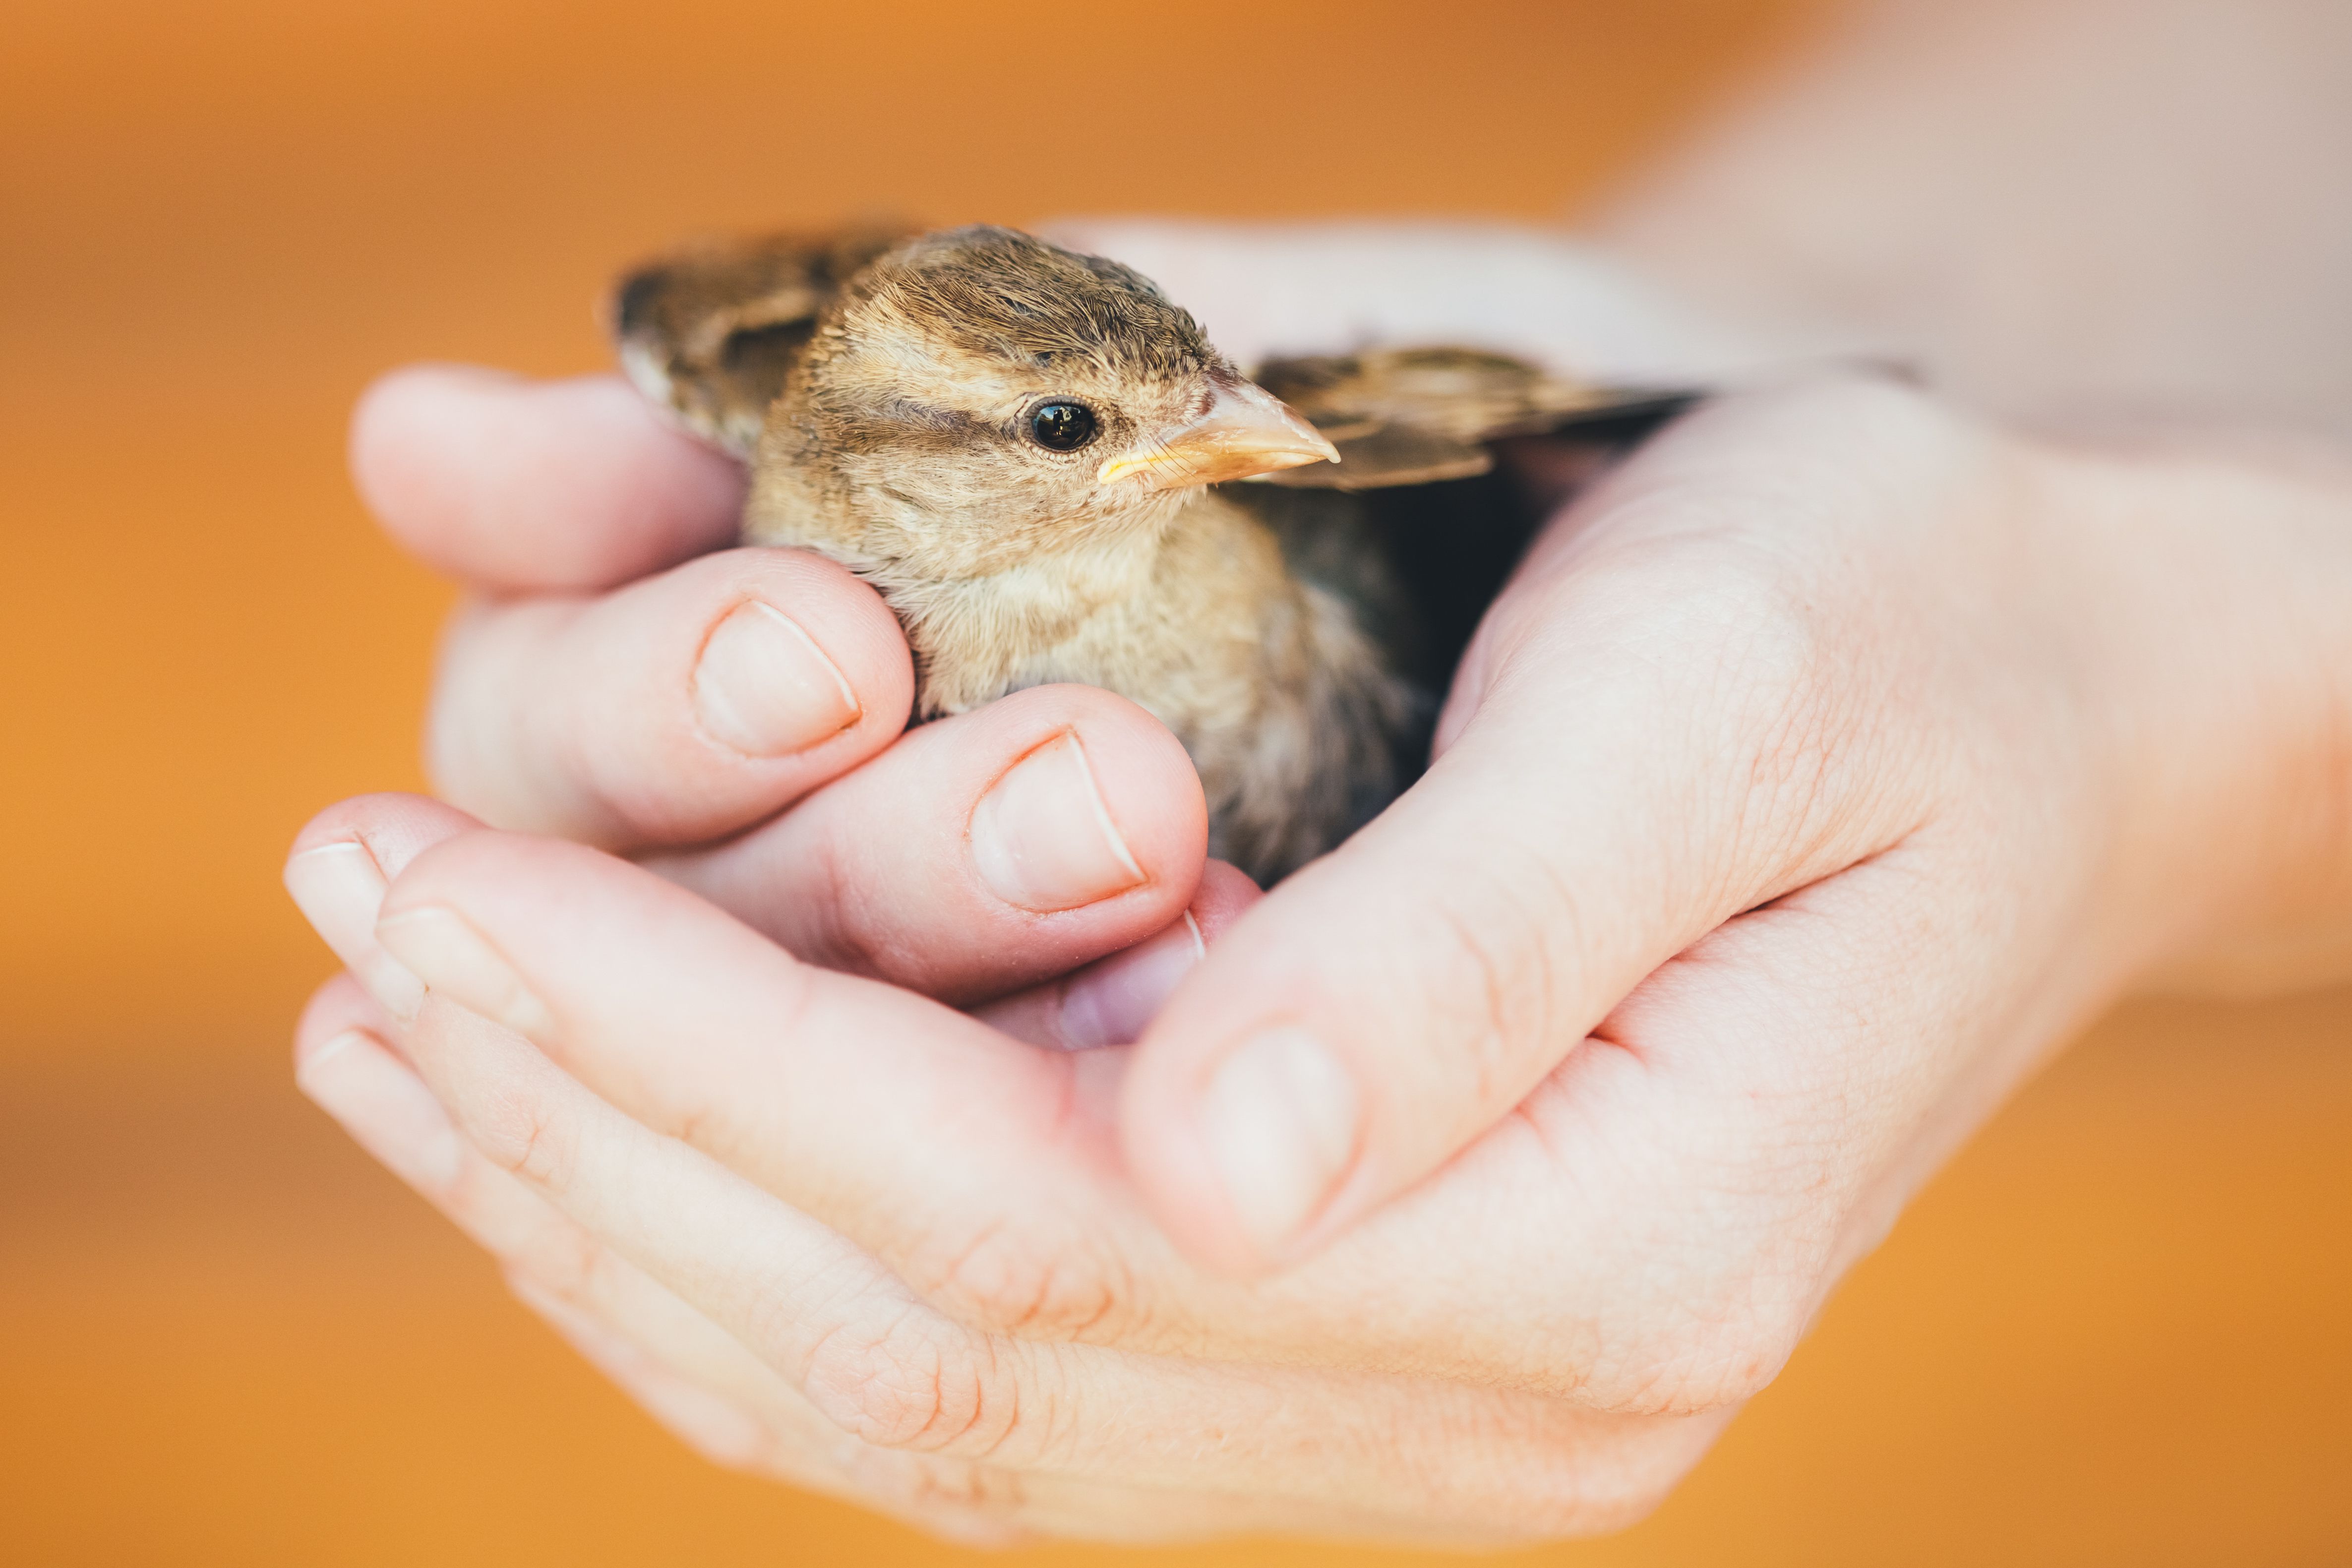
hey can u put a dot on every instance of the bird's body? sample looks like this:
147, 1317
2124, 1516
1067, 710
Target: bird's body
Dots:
1288, 708
1021, 448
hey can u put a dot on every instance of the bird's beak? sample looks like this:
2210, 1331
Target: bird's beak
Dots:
1247, 430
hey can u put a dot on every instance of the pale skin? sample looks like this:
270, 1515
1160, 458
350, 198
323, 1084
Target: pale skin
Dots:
1827, 765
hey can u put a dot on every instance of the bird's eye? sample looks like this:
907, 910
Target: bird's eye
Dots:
1063, 427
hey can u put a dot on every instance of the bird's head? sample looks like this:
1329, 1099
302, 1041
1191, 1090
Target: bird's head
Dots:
984, 396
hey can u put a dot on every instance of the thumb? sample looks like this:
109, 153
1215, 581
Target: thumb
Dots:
1627, 782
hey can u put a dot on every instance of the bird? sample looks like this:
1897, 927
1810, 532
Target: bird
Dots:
1050, 474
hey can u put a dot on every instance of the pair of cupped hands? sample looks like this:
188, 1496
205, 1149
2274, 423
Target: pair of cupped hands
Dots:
914, 1115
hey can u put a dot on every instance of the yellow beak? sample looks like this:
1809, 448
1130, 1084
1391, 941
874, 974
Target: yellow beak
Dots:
1246, 431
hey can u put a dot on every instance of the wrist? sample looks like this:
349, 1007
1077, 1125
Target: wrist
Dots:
2217, 622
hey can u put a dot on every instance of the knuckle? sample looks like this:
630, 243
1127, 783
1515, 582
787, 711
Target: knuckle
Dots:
915, 1383
567, 1264
1781, 702
1508, 977
1723, 1369
1776, 669
1726, 1351
1761, 1300
1750, 651
525, 1138
849, 926
1003, 1279
1727, 1304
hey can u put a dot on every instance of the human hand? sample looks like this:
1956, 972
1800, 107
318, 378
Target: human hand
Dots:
2107, 564
1852, 899
665, 718
733, 716
772, 1342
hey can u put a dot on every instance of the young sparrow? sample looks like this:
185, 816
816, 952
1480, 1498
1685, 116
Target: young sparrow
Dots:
1030, 454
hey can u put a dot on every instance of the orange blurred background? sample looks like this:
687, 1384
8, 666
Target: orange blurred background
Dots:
2115, 1333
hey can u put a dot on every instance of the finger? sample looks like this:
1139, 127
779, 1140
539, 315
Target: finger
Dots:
686, 1373
871, 1109
980, 853
843, 1096
1783, 1087
878, 1363
717, 1428
337, 870
703, 1384
927, 1494
672, 710
345, 1065
1109, 1001
859, 1100
514, 485
860, 1104
961, 1500
1655, 740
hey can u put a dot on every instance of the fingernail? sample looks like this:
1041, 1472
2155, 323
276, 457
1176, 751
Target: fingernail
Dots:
1280, 1117
339, 888
764, 688
1042, 838
385, 1107
1111, 1001
458, 966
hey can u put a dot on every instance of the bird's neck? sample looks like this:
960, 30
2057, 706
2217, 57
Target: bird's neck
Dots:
979, 636
1122, 606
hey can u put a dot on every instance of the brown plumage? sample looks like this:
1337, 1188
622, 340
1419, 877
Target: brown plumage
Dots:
1027, 452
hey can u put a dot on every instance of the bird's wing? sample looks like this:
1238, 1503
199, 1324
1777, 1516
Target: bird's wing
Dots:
1411, 415
711, 331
